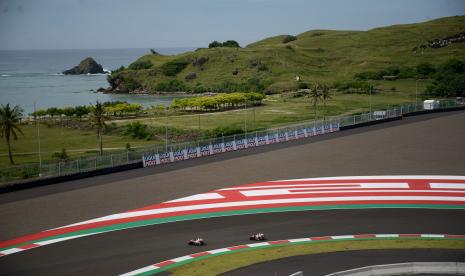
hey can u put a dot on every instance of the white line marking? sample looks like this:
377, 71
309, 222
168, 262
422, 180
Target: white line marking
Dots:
342, 237
11, 251
41, 243
140, 270
447, 186
257, 244
199, 197
431, 236
268, 202
300, 240
218, 250
445, 177
387, 235
270, 192
183, 258
322, 186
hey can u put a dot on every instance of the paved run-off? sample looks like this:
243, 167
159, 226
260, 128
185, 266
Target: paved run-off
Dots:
446, 192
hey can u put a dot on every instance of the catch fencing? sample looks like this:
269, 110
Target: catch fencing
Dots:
157, 155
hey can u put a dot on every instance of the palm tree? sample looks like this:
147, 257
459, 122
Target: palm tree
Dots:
9, 124
325, 96
315, 96
98, 118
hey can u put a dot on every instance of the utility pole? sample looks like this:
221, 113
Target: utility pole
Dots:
245, 117
166, 130
416, 94
38, 140
254, 118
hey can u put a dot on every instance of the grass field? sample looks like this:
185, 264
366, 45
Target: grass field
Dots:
227, 262
276, 111
317, 55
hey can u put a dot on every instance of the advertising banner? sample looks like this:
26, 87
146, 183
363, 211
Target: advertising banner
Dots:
217, 148
205, 150
240, 144
261, 140
251, 142
165, 157
327, 128
319, 130
192, 153
291, 135
178, 155
150, 160
229, 146
272, 138
282, 137
300, 133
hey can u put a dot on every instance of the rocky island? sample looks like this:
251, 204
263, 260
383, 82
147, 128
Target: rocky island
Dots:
86, 66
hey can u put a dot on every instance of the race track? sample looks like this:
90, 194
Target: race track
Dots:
405, 147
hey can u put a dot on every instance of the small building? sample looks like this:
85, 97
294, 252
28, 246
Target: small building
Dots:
430, 104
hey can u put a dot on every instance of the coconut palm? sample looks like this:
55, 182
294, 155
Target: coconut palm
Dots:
325, 96
315, 96
97, 119
9, 124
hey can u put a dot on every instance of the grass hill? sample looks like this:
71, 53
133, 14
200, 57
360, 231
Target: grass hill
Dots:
270, 65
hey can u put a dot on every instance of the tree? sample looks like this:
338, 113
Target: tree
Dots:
215, 44
9, 124
231, 43
97, 119
325, 96
315, 96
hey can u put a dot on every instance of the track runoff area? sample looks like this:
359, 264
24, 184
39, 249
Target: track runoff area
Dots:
362, 192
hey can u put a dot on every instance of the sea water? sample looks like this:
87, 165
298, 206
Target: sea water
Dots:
34, 76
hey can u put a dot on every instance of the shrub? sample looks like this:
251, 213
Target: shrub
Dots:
136, 130
425, 69
222, 131
289, 38
140, 64
61, 155
303, 85
215, 44
231, 43
172, 68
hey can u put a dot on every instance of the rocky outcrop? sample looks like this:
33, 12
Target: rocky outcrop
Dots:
87, 66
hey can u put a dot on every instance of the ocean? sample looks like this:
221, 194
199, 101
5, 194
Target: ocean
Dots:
34, 76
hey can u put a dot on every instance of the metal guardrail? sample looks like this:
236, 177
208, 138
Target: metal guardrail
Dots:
114, 159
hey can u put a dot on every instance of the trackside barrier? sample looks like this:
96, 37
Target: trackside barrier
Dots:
239, 142
156, 155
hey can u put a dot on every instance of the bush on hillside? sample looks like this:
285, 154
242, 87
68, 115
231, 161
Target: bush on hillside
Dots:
215, 44
289, 38
231, 43
140, 64
172, 68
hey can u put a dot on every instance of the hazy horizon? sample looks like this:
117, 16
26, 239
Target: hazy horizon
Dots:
122, 24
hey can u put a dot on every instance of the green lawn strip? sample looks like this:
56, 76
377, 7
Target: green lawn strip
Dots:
227, 261
142, 223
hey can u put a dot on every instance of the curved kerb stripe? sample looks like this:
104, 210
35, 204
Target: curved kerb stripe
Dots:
169, 264
439, 192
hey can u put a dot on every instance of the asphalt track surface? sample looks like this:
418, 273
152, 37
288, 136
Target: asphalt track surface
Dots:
318, 264
429, 144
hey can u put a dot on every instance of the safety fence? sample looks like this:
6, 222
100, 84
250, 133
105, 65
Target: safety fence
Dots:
156, 155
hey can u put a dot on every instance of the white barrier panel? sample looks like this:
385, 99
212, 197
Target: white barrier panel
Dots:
250, 142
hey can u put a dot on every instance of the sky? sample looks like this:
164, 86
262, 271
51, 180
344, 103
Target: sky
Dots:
92, 24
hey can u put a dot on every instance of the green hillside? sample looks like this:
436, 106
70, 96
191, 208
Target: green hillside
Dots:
271, 66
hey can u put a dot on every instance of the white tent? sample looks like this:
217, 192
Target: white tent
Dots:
430, 104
